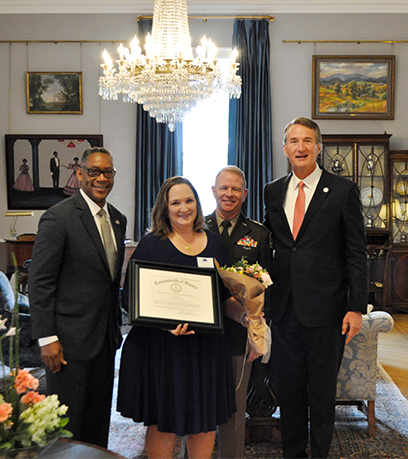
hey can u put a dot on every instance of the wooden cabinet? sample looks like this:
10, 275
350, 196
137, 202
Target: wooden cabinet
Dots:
396, 267
398, 166
396, 280
364, 160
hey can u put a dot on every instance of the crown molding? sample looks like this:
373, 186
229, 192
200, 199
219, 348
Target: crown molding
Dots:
204, 7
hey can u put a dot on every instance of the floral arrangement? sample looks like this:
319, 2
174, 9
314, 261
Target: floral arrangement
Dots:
27, 418
247, 284
255, 271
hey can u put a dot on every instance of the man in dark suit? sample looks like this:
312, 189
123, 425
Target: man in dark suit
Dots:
320, 287
73, 292
248, 238
55, 166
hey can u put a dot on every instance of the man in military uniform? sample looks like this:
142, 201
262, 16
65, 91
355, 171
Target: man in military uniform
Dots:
248, 238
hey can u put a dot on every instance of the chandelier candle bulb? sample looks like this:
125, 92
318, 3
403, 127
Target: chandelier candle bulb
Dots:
107, 58
136, 50
234, 55
121, 52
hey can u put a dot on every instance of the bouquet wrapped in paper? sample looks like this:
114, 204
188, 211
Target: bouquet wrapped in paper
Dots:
247, 284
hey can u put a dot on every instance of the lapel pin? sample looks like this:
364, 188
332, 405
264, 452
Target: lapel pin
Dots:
325, 190
117, 222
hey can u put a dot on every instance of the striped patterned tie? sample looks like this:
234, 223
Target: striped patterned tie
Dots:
108, 243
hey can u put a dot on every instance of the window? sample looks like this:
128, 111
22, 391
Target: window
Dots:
205, 144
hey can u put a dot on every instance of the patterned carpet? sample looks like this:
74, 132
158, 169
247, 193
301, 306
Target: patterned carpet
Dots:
350, 439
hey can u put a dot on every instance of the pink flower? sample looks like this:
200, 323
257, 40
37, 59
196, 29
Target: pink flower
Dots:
25, 381
5, 410
32, 398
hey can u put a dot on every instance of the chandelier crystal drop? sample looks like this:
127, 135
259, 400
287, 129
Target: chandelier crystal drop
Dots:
167, 80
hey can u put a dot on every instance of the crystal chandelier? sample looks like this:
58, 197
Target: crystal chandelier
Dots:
167, 80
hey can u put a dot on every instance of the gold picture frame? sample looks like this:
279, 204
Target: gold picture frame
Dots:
54, 93
353, 87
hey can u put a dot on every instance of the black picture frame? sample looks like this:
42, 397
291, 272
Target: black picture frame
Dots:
35, 152
151, 282
353, 87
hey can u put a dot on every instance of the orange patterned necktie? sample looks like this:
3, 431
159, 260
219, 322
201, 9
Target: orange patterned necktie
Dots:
299, 210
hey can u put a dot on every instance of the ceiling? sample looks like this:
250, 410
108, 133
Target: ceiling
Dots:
204, 7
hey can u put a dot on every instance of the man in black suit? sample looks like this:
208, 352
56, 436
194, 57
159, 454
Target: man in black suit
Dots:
74, 290
320, 287
55, 166
248, 238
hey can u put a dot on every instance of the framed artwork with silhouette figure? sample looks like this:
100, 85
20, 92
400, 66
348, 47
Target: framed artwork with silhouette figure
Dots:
41, 169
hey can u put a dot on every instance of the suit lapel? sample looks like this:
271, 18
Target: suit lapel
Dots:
119, 236
281, 211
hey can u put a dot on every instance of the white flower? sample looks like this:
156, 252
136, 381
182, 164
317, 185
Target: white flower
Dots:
2, 322
43, 419
266, 279
11, 332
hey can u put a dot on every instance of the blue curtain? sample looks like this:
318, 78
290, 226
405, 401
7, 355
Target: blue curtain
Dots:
158, 156
250, 124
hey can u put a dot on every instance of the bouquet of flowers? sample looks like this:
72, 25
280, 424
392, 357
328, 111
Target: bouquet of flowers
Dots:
247, 284
27, 418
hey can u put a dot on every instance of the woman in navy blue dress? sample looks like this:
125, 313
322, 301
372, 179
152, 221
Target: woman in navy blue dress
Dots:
178, 382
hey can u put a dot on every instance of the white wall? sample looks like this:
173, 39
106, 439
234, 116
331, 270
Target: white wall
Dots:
115, 120
291, 70
291, 82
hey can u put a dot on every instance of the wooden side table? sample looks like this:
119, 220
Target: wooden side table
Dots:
22, 249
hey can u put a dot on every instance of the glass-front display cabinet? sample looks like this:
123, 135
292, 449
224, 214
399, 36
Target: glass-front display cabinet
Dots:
399, 196
396, 267
364, 160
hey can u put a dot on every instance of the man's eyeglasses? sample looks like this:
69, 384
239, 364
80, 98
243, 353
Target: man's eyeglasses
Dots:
108, 173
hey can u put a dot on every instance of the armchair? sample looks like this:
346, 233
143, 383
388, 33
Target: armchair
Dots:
356, 382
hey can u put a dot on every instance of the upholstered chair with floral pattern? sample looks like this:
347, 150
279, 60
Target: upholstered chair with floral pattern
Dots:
356, 383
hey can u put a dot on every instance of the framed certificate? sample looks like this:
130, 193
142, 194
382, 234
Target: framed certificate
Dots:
163, 296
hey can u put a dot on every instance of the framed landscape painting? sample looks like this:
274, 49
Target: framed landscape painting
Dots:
54, 93
353, 87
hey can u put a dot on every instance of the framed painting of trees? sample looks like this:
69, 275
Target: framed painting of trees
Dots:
353, 87
54, 93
